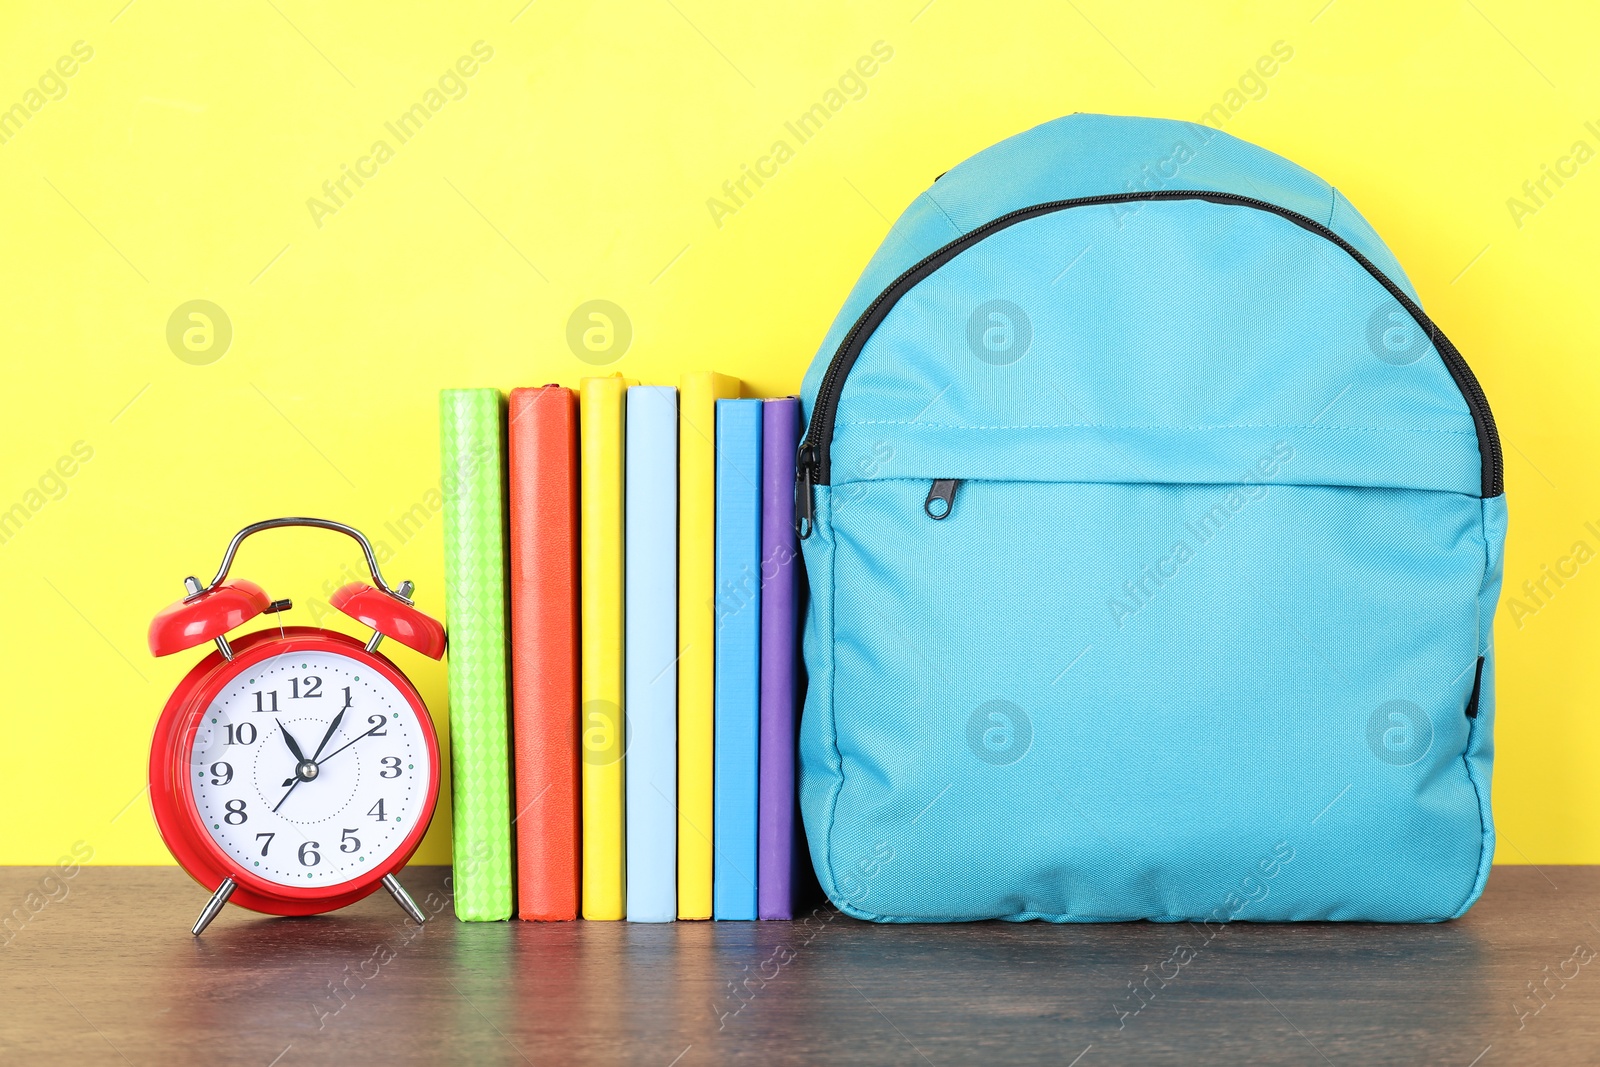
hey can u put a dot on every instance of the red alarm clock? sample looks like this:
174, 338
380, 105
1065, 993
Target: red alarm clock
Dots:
295, 769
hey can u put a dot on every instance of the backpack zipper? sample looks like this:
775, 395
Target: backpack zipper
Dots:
813, 466
941, 498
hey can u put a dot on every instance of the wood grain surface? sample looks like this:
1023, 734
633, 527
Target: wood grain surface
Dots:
101, 968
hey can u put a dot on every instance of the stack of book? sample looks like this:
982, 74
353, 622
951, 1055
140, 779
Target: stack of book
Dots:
625, 748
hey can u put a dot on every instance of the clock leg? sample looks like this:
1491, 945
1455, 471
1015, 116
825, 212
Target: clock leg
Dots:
214, 905
402, 898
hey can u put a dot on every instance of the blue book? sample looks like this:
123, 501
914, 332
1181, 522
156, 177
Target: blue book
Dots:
650, 641
737, 685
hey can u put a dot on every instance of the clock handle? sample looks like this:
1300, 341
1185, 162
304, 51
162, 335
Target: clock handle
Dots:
321, 524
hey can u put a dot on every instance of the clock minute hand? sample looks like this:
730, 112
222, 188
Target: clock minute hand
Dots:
333, 728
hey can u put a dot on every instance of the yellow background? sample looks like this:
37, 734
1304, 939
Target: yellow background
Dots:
577, 166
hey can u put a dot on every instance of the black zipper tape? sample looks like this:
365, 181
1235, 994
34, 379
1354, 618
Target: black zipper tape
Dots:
813, 458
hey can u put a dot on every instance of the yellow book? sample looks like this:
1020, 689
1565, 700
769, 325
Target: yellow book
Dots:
697, 630
601, 415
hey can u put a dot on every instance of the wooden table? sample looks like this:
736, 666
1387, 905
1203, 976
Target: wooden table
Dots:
106, 971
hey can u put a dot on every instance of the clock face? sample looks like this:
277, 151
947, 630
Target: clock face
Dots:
309, 769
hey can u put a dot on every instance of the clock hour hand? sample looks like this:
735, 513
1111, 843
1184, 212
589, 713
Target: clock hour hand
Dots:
294, 747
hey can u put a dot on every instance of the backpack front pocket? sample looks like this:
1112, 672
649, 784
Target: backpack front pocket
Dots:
1091, 700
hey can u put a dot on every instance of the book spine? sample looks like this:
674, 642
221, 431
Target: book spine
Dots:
738, 673
652, 652
473, 480
543, 495
697, 469
777, 846
602, 429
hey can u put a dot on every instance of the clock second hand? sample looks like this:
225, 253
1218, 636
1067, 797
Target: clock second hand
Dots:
352, 741
292, 785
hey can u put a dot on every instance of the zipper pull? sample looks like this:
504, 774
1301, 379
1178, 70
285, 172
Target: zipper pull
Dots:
941, 498
805, 513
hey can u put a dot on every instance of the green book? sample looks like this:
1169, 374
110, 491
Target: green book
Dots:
471, 431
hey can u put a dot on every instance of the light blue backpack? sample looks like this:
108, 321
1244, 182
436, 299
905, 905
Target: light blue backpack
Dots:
1154, 534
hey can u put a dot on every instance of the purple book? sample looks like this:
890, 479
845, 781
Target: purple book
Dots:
778, 838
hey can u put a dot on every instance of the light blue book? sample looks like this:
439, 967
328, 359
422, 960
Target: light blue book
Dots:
650, 639
735, 767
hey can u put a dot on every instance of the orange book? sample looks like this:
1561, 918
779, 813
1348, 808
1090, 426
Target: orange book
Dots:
544, 648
